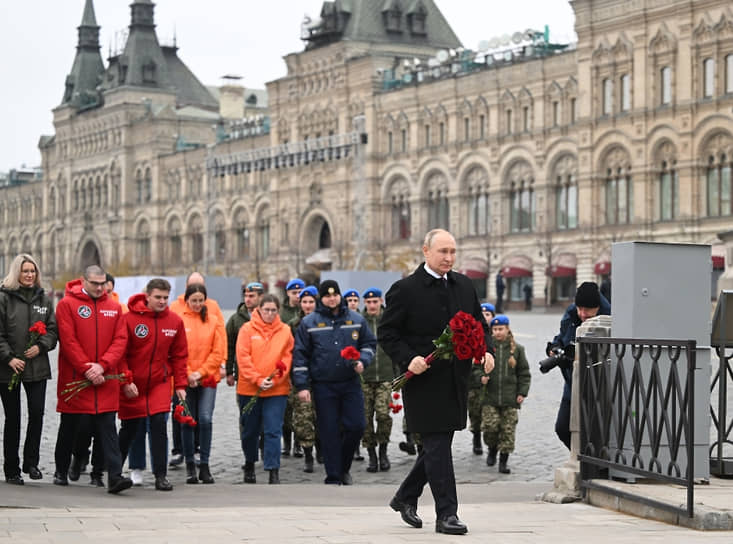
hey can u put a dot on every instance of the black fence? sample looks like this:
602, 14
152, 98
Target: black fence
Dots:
637, 413
720, 465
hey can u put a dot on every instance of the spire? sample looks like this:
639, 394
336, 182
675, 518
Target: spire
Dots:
88, 68
143, 63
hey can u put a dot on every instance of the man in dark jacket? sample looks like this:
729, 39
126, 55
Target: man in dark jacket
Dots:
320, 368
588, 303
418, 309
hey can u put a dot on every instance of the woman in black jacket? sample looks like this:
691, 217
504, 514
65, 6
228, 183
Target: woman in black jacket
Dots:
22, 304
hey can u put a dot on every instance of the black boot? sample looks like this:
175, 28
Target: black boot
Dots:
319, 455
372, 467
191, 473
249, 473
297, 449
287, 444
491, 457
408, 446
74, 468
384, 464
357, 455
503, 457
308, 467
477, 449
205, 474
274, 476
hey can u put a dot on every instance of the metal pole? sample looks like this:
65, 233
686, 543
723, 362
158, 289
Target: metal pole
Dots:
691, 363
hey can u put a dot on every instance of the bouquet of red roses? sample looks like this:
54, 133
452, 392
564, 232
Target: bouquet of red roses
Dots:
36, 330
77, 386
280, 370
463, 337
182, 414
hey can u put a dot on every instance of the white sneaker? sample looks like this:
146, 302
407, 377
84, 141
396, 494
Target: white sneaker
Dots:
136, 475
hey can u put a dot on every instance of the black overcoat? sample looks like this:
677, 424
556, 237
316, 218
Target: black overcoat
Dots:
418, 309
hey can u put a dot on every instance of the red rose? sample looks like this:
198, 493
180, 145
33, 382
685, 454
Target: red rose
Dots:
463, 351
350, 353
459, 339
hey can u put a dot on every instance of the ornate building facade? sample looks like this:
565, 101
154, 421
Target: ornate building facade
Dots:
537, 157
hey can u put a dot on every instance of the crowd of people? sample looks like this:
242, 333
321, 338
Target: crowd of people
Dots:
313, 375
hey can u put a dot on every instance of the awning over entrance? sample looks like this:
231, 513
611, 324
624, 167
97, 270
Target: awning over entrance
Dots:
563, 266
475, 269
517, 266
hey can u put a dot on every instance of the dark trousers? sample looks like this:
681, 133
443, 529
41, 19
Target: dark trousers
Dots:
106, 432
158, 440
35, 393
176, 431
340, 419
562, 423
85, 432
433, 466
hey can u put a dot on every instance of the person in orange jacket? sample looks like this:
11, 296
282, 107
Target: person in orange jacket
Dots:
109, 286
207, 348
264, 357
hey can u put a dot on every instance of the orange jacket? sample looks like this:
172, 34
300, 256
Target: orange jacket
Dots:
212, 308
207, 343
114, 296
260, 346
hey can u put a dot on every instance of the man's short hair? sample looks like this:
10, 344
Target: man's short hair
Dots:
430, 236
157, 283
94, 270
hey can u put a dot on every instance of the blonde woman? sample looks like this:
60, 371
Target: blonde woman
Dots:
24, 360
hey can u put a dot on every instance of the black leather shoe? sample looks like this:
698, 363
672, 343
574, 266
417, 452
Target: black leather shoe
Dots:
74, 473
119, 485
249, 473
407, 511
60, 479
346, 479
450, 526
14, 480
162, 484
96, 480
33, 473
175, 460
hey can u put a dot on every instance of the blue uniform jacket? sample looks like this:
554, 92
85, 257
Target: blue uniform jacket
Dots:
319, 339
568, 324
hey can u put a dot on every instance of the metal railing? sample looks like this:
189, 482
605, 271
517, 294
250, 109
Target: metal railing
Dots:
637, 413
720, 465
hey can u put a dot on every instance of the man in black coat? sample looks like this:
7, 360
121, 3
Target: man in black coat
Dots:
418, 309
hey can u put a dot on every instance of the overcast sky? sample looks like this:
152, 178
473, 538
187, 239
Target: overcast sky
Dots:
215, 37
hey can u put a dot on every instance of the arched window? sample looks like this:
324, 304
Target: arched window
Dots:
625, 92
148, 189
718, 185
708, 75
666, 85
566, 193
143, 245
607, 96
477, 184
437, 202
139, 187
729, 74
197, 240
669, 189
400, 214
175, 243
521, 198
242, 234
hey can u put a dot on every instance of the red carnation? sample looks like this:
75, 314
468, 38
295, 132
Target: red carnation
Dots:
350, 353
38, 327
210, 382
281, 369
396, 395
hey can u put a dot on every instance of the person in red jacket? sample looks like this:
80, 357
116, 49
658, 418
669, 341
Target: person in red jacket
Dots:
92, 339
156, 350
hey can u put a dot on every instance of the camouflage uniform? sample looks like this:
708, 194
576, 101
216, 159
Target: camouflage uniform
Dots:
499, 425
303, 418
474, 407
377, 388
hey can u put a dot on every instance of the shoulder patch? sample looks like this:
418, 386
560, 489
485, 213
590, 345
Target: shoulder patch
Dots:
349, 322
321, 325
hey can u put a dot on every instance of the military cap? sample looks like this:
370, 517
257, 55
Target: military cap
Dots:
295, 283
372, 292
500, 319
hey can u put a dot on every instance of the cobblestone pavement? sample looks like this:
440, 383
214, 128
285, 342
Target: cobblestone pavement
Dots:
537, 452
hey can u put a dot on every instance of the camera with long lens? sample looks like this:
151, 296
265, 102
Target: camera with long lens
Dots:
559, 357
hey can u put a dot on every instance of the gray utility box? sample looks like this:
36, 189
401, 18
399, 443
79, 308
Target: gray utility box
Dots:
662, 292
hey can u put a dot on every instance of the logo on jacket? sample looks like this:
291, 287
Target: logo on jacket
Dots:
141, 331
84, 311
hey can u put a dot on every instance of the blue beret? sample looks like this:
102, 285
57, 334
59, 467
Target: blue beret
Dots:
488, 307
351, 293
310, 290
372, 292
254, 286
500, 319
295, 283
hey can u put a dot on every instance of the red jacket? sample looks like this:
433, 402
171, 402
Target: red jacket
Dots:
90, 330
156, 351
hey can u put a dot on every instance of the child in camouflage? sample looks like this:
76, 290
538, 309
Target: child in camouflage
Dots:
503, 392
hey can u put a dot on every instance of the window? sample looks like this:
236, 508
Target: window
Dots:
669, 204
482, 126
607, 97
243, 241
389, 142
400, 216
708, 69
619, 195
264, 240
437, 202
525, 119
466, 129
522, 200
625, 92
729, 74
139, 186
148, 187
176, 249
441, 127
404, 141
666, 85
478, 202
555, 113
427, 135
566, 202
508, 121
718, 185
573, 110
197, 247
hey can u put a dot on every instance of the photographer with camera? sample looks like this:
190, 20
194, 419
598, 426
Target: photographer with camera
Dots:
561, 351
